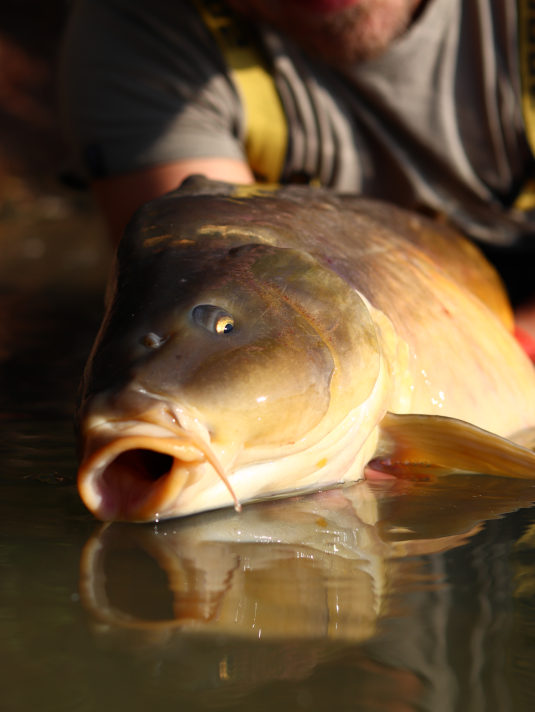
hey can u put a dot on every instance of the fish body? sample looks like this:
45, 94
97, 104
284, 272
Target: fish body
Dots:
262, 342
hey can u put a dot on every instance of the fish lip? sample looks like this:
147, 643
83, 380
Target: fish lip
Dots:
138, 475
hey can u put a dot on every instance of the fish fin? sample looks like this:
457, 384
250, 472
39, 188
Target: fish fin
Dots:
425, 446
526, 438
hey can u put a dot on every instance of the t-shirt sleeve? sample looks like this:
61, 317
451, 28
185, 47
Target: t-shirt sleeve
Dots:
143, 82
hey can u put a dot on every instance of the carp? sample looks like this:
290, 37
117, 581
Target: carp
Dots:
263, 342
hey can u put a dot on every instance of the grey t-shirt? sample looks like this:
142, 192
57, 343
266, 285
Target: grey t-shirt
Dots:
434, 123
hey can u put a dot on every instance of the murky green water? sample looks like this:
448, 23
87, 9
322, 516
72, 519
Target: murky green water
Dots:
374, 598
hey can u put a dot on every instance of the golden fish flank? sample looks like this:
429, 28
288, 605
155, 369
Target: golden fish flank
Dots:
264, 345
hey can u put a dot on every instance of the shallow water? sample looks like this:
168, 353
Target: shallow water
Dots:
387, 597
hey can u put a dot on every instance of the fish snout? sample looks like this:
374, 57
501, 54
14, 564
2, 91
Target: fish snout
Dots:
138, 469
137, 477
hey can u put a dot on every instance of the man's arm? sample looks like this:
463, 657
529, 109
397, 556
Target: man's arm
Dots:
119, 196
147, 100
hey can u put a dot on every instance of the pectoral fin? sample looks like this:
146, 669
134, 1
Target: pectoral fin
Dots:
421, 446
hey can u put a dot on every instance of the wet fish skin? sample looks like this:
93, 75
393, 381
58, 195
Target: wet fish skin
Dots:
255, 339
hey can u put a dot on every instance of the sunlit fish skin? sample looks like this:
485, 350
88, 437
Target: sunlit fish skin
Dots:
260, 342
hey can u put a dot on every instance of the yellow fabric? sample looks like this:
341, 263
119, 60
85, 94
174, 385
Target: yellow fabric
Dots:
266, 128
526, 42
525, 200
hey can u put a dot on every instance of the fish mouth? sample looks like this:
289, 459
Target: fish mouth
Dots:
139, 477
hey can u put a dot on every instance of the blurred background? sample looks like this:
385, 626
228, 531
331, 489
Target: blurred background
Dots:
54, 254
49, 233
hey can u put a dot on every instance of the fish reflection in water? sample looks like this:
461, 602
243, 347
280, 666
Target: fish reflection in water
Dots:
223, 571
379, 587
309, 567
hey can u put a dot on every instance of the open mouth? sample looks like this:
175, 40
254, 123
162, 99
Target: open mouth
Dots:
139, 477
145, 465
135, 482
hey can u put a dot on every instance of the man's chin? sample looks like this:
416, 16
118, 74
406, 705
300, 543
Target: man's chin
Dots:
354, 35
340, 32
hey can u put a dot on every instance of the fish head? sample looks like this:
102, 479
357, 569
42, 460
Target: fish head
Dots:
219, 351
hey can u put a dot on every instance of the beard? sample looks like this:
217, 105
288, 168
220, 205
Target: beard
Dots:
342, 37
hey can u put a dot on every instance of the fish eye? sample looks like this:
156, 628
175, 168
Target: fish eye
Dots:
152, 340
212, 318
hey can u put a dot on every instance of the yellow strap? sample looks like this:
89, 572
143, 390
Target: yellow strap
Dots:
525, 200
526, 46
265, 122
